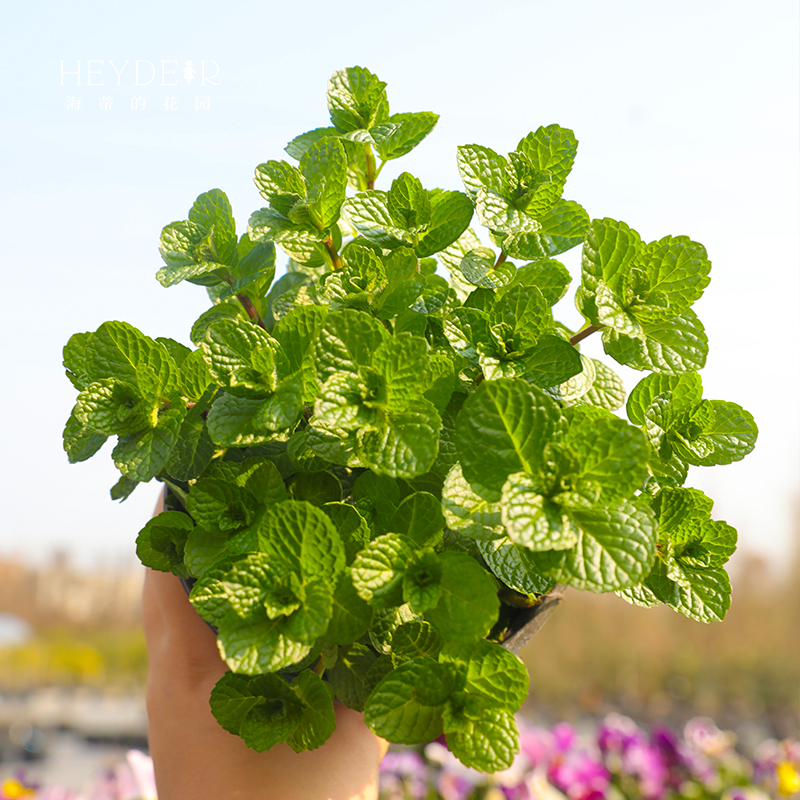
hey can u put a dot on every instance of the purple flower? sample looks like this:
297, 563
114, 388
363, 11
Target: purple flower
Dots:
617, 733
404, 774
579, 775
645, 763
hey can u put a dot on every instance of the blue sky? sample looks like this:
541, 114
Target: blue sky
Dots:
686, 113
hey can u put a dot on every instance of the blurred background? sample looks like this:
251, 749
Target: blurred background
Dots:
116, 118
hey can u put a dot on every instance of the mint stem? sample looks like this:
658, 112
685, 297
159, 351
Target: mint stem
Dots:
587, 331
370, 166
336, 262
250, 309
500, 259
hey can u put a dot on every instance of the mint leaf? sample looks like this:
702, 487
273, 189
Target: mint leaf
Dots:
401, 133
729, 437
468, 605
304, 537
532, 520
492, 671
686, 390
510, 419
141, 456
488, 743
451, 213
318, 719
481, 168
160, 544
413, 639
406, 706
561, 228
352, 615
512, 564
422, 580
404, 443
356, 99
80, 442
673, 346
348, 676
419, 517
347, 341
615, 549
379, 568
324, 169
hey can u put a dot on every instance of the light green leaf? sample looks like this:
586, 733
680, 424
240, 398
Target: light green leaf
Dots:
356, 99
673, 346
534, 521
379, 568
511, 563
401, 133
347, 341
481, 168
488, 743
451, 213
419, 516
509, 419
562, 228
406, 706
730, 437
141, 456
468, 605
405, 444
615, 549
318, 720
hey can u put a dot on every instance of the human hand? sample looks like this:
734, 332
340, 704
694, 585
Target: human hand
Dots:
195, 758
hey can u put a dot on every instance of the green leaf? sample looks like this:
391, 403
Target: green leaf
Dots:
379, 568
509, 419
238, 421
347, 341
419, 517
275, 178
203, 550
549, 276
348, 677
318, 720
534, 521
75, 359
120, 351
401, 133
481, 168
422, 580
182, 247
615, 549
610, 452
304, 537
356, 99
673, 346
468, 605
298, 146
368, 212
413, 639
730, 437
607, 390
193, 450
352, 527
562, 228
703, 595
352, 615
160, 544
112, 407
402, 362
470, 509
552, 148
406, 706
488, 743
324, 168
451, 213
408, 203
551, 362
492, 671
235, 696
80, 442
715, 538
219, 506
141, 456
405, 444
512, 564
685, 390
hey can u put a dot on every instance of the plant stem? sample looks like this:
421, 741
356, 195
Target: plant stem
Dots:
587, 331
336, 262
500, 259
250, 309
370, 166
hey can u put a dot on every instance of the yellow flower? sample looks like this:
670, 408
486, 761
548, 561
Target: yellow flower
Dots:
788, 778
13, 788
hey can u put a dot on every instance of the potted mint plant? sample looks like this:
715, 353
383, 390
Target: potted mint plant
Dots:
381, 462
